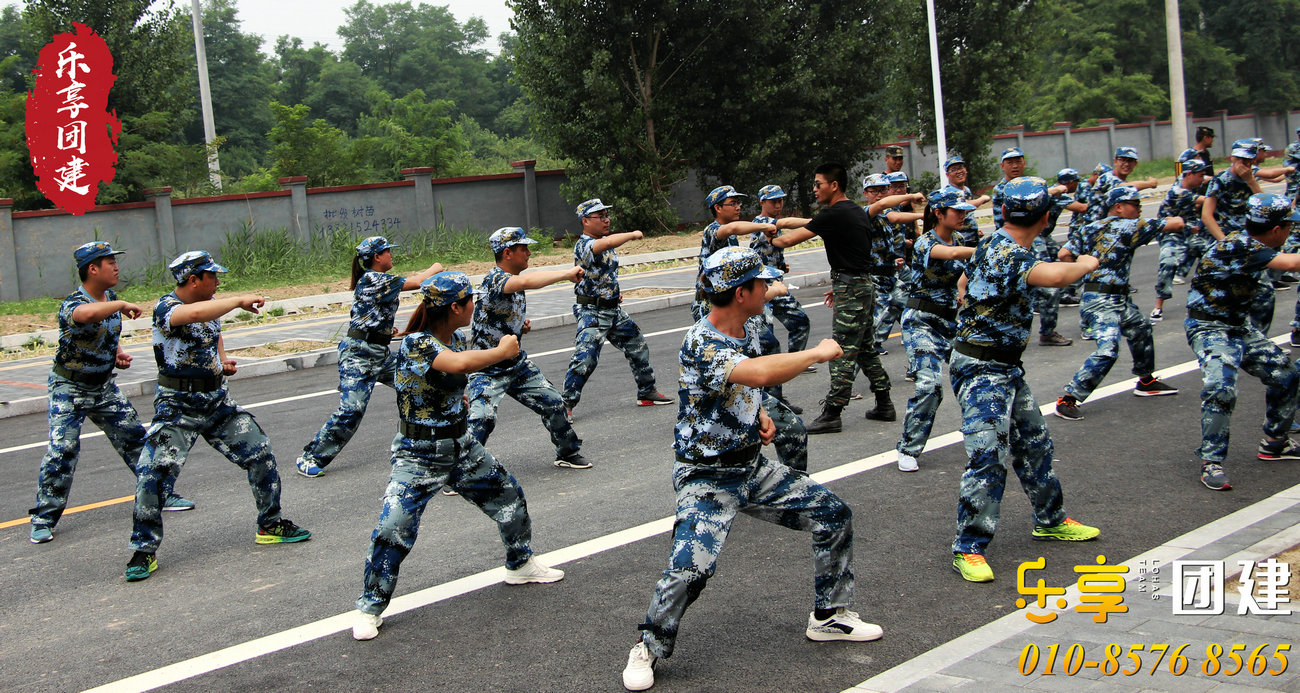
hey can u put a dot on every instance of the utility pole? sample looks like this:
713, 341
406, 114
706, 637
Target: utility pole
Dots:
941, 136
1177, 92
205, 96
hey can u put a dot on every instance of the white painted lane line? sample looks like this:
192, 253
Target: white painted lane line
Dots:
275, 642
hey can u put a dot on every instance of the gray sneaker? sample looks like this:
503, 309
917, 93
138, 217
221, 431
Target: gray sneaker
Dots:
41, 534
1054, 338
1213, 476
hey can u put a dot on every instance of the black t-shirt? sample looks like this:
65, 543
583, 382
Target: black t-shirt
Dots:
847, 230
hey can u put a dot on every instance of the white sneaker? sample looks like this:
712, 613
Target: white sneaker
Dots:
532, 571
1179, 281
906, 463
842, 625
639, 674
366, 626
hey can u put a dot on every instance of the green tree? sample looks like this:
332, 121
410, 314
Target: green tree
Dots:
325, 154
1261, 33
340, 94
298, 67
411, 131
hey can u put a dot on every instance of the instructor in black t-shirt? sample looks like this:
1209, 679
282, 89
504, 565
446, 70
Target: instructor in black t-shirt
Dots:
847, 231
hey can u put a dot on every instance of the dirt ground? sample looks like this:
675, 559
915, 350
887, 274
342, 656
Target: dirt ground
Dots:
1291, 557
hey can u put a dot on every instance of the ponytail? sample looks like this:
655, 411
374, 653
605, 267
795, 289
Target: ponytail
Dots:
359, 268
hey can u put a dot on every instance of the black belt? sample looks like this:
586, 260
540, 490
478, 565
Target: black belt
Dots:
83, 378
417, 432
601, 303
207, 383
929, 306
884, 272
1198, 314
379, 338
840, 275
731, 458
1098, 287
1008, 356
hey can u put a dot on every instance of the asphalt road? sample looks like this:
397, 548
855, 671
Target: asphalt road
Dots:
71, 622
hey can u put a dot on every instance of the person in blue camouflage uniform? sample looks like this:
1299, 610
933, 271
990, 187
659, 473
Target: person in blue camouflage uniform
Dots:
193, 400
1224, 213
598, 310
81, 385
1176, 248
724, 204
1225, 341
785, 309
1001, 421
1125, 161
891, 291
1012, 163
364, 357
720, 470
1048, 300
433, 448
954, 168
1107, 302
502, 311
1200, 150
1291, 157
929, 323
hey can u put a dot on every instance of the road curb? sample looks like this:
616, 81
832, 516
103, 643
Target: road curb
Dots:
329, 356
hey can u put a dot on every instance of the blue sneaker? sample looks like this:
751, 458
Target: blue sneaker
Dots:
176, 504
308, 468
141, 566
41, 534
1295, 428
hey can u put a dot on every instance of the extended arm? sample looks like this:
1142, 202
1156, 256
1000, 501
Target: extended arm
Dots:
415, 280
471, 360
536, 280
95, 312
1058, 275
774, 369
206, 311
615, 240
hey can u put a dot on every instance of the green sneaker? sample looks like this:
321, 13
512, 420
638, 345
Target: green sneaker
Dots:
972, 566
141, 566
282, 532
1070, 530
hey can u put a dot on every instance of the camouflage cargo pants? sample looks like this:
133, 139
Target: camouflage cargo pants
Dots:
1222, 351
1261, 306
928, 341
1047, 300
854, 298
891, 296
1174, 252
708, 499
1003, 427
595, 325
791, 441
179, 419
788, 312
1113, 316
71, 403
526, 384
463, 465
361, 366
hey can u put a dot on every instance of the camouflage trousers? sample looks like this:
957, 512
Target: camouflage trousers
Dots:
361, 366
787, 311
928, 341
595, 325
1178, 251
417, 475
179, 418
1003, 427
708, 499
791, 441
1222, 351
854, 302
1047, 300
1113, 316
700, 307
71, 403
527, 386
1197, 245
891, 297
1261, 306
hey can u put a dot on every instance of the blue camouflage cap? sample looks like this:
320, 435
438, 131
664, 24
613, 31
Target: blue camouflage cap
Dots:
953, 161
1103, 168
1010, 153
1067, 175
591, 207
896, 177
373, 246
507, 236
88, 253
1122, 193
732, 266
719, 194
445, 288
1126, 153
875, 180
1025, 198
1270, 208
940, 199
1194, 166
191, 263
1245, 149
770, 192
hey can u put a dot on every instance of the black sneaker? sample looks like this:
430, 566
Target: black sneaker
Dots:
1281, 286
141, 566
1295, 338
1153, 388
1157, 315
574, 461
1067, 408
1213, 476
282, 532
1273, 450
